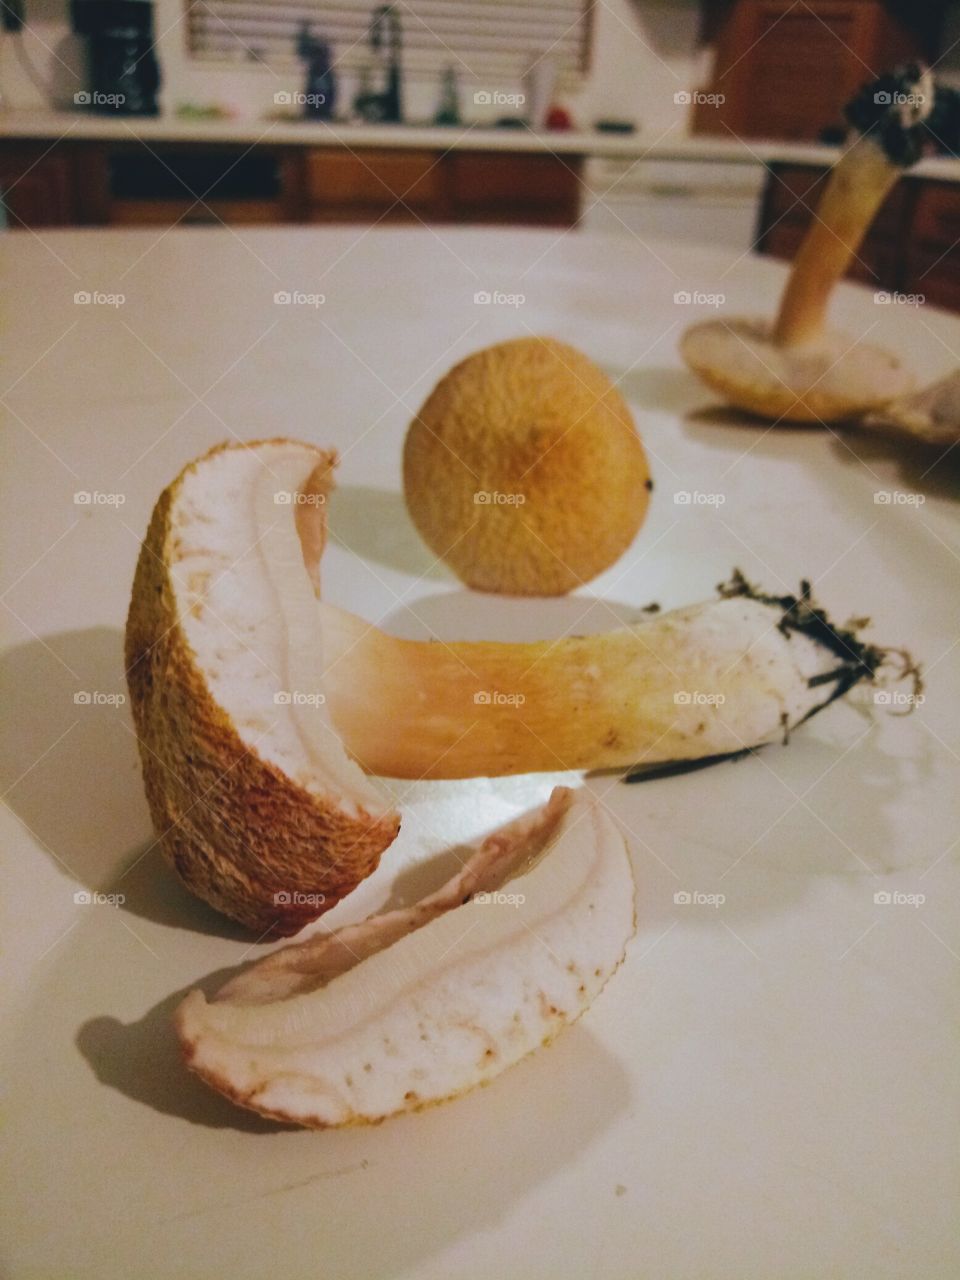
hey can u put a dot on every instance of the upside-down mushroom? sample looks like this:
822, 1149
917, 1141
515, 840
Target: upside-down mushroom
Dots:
797, 369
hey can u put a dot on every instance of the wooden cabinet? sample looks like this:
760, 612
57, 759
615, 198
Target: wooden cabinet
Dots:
495, 186
38, 185
785, 69
932, 263
373, 183
125, 184
911, 247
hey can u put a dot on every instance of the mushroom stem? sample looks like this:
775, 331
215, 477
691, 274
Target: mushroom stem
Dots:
858, 184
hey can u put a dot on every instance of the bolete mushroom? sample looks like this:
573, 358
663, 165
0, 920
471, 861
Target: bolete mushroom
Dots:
797, 369
255, 700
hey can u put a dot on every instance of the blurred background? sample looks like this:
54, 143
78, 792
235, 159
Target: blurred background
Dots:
711, 121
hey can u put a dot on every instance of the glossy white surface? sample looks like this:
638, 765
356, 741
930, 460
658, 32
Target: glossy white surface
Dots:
769, 1086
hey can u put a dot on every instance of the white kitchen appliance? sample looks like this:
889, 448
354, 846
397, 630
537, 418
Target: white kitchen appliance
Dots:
713, 202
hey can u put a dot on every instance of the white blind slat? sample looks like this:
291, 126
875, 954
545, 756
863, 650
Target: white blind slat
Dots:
480, 36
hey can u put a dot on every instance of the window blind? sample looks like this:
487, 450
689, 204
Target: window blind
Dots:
480, 38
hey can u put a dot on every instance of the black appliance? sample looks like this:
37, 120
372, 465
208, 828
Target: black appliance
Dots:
124, 74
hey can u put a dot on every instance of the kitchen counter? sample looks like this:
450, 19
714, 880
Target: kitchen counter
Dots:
674, 143
767, 1086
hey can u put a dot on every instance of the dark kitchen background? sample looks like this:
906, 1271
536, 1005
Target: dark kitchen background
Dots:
711, 121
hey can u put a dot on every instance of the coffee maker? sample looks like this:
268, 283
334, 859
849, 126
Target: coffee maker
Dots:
124, 74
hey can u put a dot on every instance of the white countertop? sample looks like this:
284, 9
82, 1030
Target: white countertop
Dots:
672, 144
768, 1088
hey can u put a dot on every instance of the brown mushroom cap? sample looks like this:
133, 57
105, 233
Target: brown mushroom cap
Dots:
524, 471
836, 379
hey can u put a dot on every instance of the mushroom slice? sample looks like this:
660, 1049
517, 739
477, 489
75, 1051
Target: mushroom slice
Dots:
414, 1007
254, 799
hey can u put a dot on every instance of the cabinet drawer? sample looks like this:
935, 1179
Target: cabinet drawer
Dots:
371, 179
936, 218
495, 185
37, 189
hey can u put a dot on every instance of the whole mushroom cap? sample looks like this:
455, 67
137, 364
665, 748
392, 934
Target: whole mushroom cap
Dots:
524, 471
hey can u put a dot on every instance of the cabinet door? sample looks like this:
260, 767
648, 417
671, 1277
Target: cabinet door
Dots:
933, 247
515, 187
398, 185
785, 69
37, 188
